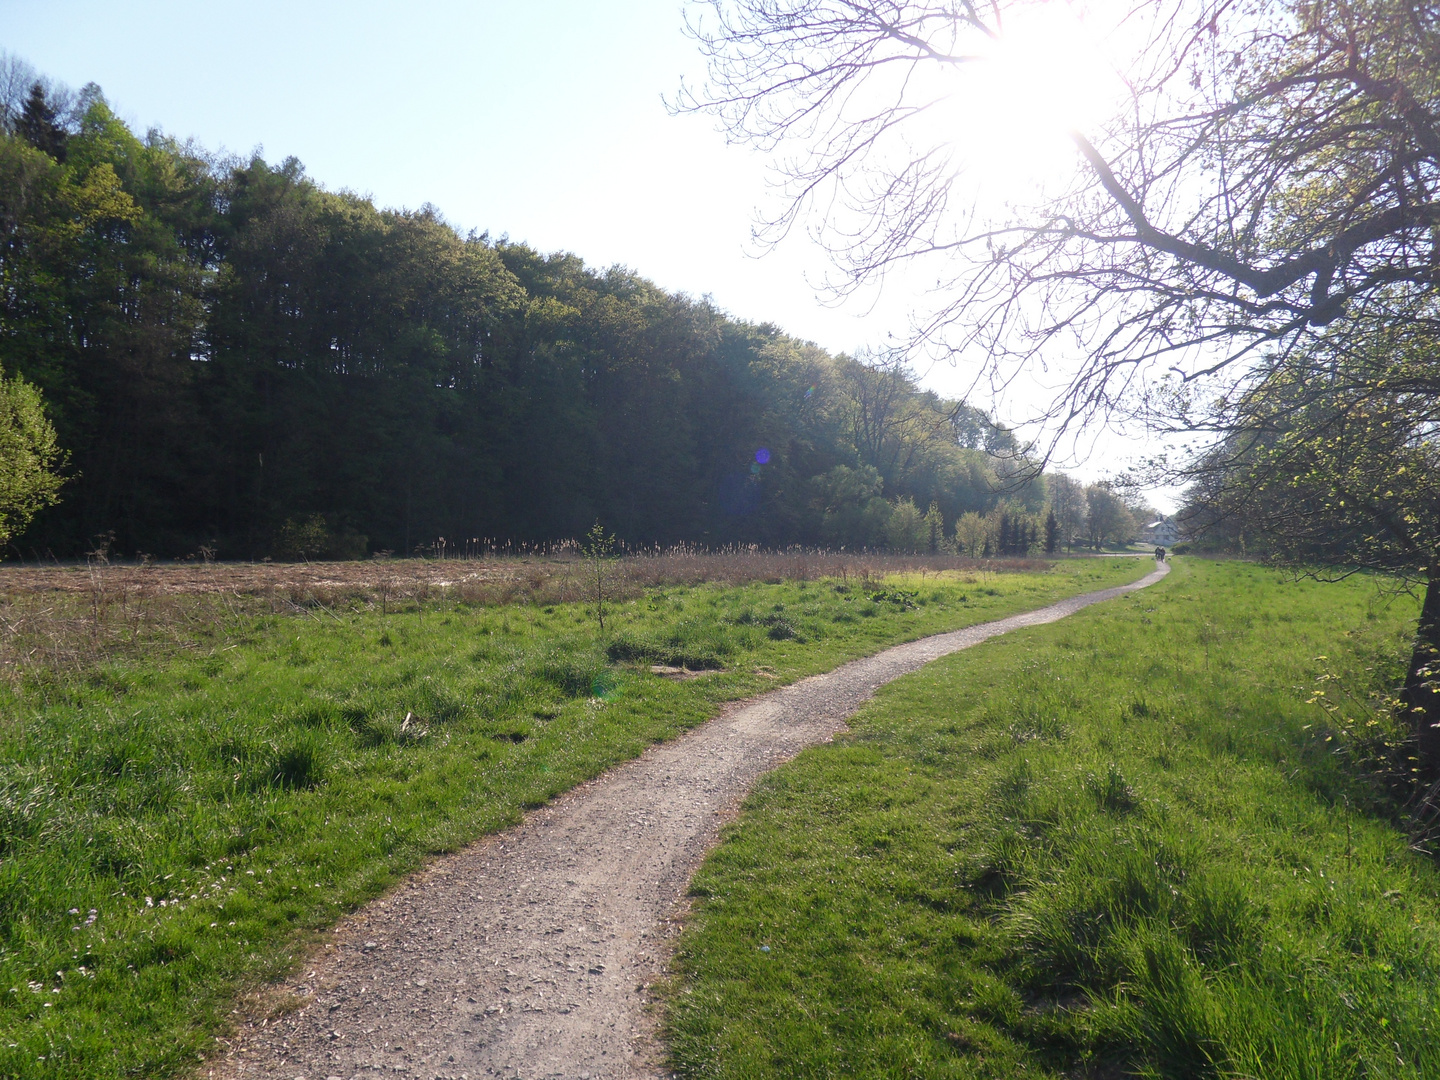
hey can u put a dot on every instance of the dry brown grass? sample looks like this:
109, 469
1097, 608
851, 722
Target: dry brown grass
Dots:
71, 617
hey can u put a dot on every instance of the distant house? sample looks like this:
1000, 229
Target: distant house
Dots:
1163, 532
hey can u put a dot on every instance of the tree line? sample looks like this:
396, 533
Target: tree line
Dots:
236, 360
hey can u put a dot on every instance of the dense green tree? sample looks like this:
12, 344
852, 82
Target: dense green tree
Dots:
37, 125
905, 528
854, 512
933, 530
1107, 519
29, 457
1068, 502
237, 358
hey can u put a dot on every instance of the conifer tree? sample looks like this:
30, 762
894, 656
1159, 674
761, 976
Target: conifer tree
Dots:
38, 126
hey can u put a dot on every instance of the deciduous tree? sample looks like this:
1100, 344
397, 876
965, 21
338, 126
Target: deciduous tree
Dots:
1069, 505
30, 460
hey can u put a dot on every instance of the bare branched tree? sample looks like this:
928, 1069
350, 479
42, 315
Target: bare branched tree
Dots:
1249, 248
1272, 173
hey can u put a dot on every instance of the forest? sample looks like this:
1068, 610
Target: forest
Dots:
240, 363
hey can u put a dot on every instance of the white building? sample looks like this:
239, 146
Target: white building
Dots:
1162, 532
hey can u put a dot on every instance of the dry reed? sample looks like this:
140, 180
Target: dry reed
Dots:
71, 618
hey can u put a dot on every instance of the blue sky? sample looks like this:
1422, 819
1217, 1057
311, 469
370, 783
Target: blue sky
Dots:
543, 120
540, 119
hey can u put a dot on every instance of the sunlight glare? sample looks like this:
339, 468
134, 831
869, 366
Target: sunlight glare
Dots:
1009, 116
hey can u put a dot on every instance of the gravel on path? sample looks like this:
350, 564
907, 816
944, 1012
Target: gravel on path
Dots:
530, 953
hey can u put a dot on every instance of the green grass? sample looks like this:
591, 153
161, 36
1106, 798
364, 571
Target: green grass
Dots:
1117, 846
173, 835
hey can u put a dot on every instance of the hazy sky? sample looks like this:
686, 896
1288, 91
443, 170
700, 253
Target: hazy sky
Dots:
541, 119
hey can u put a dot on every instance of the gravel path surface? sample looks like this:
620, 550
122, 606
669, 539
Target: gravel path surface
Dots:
530, 953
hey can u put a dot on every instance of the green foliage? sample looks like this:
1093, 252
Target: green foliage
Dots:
933, 530
1124, 844
971, 534
1107, 519
29, 457
314, 538
1330, 461
905, 529
171, 835
192, 322
855, 514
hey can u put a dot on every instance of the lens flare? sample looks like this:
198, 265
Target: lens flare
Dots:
762, 456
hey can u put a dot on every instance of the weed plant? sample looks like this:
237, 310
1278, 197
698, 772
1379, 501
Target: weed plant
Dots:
1122, 845
173, 835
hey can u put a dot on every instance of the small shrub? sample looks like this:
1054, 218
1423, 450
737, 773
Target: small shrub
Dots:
315, 537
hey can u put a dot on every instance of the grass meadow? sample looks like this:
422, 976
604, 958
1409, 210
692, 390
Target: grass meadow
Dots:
176, 827
1128, 844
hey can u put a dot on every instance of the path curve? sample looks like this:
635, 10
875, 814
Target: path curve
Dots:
529, 954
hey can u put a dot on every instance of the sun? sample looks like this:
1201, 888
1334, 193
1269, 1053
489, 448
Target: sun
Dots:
1009, 114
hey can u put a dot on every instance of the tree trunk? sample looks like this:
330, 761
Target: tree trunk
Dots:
1420, 699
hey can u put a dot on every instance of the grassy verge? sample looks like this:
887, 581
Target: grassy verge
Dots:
171, 833
1121, 845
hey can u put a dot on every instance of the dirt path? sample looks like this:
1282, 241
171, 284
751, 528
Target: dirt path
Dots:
530, 953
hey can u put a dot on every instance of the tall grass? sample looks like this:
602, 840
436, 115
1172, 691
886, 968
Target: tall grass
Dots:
1124, 845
